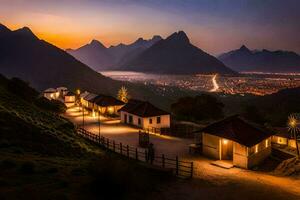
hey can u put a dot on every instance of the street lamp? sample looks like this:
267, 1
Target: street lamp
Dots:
293, 128
99, 121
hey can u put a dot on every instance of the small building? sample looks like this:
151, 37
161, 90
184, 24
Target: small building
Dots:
283, 137
51, 93
62, 91
107, 104
70, 98
144, 115
235, 139
102, 103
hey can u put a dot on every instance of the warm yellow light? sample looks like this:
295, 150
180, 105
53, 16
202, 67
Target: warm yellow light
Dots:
225, 141
256, 148
110, 110
51, 95
78, 91
93, 114
267, 143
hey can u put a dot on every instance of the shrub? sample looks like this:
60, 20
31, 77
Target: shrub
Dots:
50, 105
27, 167
8, 164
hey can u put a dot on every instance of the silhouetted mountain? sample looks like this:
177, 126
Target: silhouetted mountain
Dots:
100, 58
95, 55
43, 65
176, 55
244, 59
25, 56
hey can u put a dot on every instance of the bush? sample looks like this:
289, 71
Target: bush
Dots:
8, 164
27, 168
50, 105
202, 107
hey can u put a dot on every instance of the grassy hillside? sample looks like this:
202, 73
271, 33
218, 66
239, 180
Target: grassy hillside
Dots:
41, 157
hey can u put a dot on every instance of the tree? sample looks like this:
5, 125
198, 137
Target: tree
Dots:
123, 94
201, 107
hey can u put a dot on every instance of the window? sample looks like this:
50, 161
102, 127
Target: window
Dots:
158, 120
130, 119
139, 121
267, 143
150, 121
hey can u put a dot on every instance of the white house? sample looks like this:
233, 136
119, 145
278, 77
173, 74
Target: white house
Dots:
51, 93
144, 115
235, 139
70, 99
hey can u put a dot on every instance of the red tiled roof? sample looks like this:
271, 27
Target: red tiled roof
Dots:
239, 130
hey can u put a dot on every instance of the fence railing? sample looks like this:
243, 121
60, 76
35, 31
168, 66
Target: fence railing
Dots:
180, 168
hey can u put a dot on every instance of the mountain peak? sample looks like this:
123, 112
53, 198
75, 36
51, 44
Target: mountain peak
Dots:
96, 43
26, 32
4, 28
244, 48
179, 36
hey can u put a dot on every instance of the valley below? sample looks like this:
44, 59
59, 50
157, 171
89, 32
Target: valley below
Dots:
245, 83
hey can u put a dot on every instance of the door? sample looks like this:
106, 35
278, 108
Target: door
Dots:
226, 149
125, 118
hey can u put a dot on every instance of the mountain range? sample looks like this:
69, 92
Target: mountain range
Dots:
97, 56
43, 65
173, 55
176, 55
244, 59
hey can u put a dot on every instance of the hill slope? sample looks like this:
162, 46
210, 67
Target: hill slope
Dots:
176, 55
23, 55
244, 59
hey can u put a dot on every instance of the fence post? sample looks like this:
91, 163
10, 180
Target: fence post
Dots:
121, 148
136, 154
163, 160
146, 156
127, 151
114, 146
177, 166
192, 169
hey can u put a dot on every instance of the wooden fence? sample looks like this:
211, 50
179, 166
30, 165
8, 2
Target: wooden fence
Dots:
180, 168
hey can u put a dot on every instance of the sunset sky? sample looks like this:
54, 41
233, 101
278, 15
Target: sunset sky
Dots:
213, 25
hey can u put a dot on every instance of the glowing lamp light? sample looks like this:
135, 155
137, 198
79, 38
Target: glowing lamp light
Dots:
267, 143
225, 141
78, 91
93, 114
110, 110
256, 148
51, 95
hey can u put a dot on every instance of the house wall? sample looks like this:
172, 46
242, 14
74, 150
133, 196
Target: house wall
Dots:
211, 145
279, 140
259, 152
164, 122
134, 117
240, 158
69, 99
53, 95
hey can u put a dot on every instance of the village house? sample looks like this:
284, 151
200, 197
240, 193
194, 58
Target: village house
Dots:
235, 139
51, 93
144, 115
101, 103
283, 138
70, 98
62, 91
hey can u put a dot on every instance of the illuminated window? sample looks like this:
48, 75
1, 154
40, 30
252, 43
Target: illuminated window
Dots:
256, 148
267, 143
